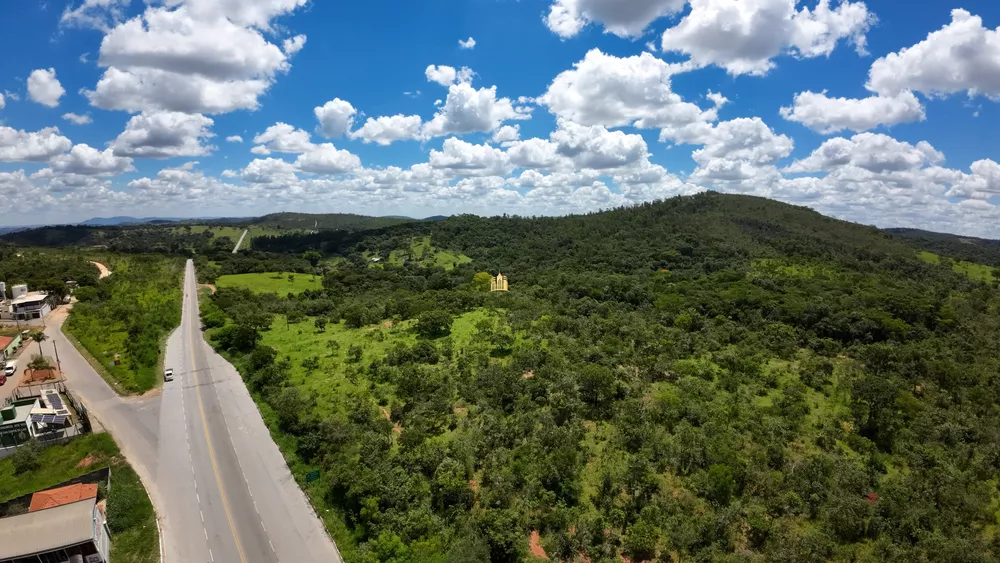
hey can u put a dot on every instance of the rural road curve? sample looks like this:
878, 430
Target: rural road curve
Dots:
105, 272
219, 483
240, 242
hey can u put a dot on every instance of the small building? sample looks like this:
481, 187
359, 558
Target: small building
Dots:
62, 495
498, 283
32, 305
9, 345
15, 423
45, 418
77, 531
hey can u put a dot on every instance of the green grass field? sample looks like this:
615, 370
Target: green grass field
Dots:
131, 517
977, 272
422, 251
301, 341
272, 282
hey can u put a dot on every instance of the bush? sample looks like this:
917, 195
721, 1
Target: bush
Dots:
25, 458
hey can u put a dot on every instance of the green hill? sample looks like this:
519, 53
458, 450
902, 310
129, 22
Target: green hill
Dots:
707, 378
343, 221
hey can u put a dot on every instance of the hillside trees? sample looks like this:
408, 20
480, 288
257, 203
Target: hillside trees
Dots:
708, 378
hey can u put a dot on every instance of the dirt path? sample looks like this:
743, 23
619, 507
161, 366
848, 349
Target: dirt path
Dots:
105, 272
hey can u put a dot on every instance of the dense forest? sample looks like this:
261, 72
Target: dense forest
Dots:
715, 377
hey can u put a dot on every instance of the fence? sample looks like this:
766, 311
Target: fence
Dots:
58, 436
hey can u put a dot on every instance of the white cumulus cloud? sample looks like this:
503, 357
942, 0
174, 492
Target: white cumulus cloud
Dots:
282, 137
164, 135
624, 18
613, 92
335, 117
467, 110
743, 36
18, 146
78, 119
467, 44
386, 130
827, 115
44, 88
85, 160
963, 56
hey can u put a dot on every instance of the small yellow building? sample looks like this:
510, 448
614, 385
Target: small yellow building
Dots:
498, 283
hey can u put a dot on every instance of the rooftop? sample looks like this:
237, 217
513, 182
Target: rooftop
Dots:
63, 495
45, 530
5, 341
33, 297
21, 414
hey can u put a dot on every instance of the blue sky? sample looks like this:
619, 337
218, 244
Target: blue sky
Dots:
879, 112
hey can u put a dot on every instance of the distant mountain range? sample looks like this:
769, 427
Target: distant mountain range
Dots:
125, 220
301, 219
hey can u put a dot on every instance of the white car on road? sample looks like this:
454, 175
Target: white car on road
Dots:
168, 375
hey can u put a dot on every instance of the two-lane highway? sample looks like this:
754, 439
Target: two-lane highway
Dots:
215, 448
219, 483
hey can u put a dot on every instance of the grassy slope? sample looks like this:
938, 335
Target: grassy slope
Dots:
135, 537
977, 272
302, 340
426, 254
271, 282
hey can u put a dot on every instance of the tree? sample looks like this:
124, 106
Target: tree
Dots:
434, 324
312, 257
354, 353
39, 337
333, 346
320, 324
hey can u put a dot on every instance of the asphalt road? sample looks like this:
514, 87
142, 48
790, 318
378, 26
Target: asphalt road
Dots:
221, 487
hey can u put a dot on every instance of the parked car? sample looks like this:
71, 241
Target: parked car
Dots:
3, 379
9, 369
168, 375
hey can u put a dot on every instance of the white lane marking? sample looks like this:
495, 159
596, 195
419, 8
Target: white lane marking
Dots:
206, 533
202, 514
210, 555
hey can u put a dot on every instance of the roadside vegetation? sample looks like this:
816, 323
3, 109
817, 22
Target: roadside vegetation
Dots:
131, 518
128, 315
707, 378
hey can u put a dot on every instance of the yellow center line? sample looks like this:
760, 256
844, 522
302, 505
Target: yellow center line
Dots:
211, 451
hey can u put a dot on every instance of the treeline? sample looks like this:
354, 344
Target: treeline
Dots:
129, 314
957, 247
707, 378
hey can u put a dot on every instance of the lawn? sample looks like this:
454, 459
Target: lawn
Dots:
977, 272
281, 283
131, 517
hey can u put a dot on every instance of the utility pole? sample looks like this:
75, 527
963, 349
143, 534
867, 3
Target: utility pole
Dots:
58, 364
